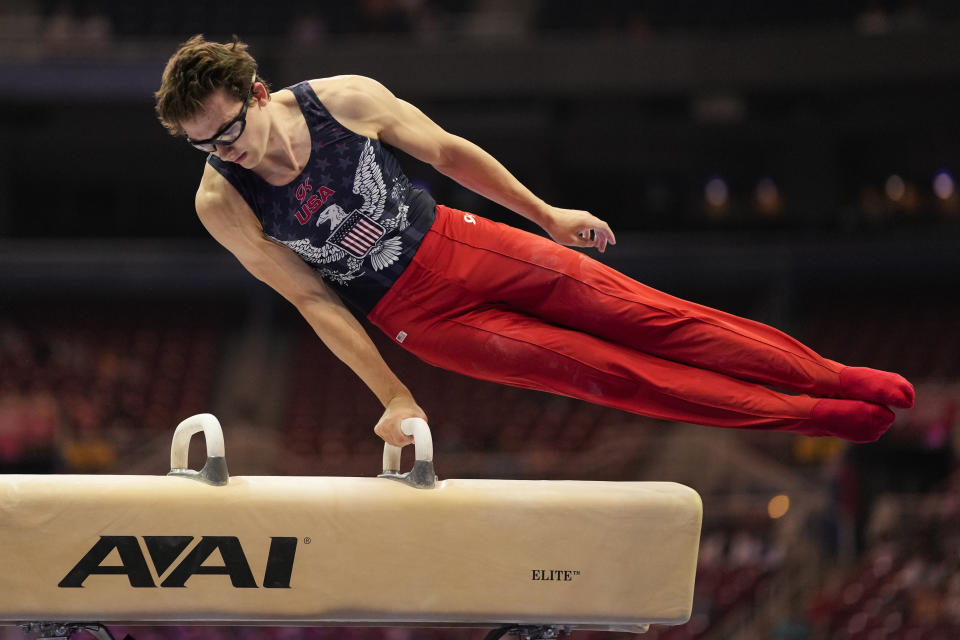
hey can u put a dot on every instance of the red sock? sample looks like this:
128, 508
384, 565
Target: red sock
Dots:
852, 420
873, 385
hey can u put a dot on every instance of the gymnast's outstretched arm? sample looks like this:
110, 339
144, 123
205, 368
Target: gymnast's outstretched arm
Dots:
366, 106
231, 222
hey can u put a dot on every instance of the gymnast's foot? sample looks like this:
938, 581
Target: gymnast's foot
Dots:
873, 385
852, 420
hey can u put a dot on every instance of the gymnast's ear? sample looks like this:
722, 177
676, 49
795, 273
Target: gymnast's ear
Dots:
261, 92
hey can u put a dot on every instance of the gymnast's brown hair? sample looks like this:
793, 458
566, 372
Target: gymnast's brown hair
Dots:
198, 69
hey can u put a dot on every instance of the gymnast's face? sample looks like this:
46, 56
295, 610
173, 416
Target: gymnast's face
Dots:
230, 129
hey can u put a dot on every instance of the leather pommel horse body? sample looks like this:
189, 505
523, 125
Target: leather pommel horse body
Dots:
399, 549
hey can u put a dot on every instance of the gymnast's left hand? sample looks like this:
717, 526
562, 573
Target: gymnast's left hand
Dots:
396, 411
576, 228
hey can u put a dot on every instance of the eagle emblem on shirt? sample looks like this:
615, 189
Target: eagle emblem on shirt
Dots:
359, 235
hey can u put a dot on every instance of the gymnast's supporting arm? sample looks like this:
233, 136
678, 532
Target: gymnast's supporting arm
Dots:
368, 107
231, 222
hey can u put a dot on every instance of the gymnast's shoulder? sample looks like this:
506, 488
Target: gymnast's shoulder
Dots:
353, 98
220, 208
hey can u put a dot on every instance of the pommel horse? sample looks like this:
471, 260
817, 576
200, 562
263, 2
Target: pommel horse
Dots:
536, 559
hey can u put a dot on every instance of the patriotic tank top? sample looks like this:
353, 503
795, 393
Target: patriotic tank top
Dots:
351, 213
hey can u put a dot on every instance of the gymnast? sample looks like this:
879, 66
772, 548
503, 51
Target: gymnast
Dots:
302, 186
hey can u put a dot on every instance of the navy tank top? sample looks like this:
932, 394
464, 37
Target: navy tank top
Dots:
351, 213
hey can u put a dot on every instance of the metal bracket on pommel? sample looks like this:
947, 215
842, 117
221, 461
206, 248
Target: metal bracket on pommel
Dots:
215, 470
61, 630
422, 476
530, 632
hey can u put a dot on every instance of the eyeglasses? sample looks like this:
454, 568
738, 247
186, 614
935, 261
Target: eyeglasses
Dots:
230, 132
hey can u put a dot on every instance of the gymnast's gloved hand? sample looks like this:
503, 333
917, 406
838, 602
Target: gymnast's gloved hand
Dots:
576, 228
396, 411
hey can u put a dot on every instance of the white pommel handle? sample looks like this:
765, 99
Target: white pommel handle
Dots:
422, 443
212, 432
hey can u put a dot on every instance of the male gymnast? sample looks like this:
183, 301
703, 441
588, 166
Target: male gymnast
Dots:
302, 187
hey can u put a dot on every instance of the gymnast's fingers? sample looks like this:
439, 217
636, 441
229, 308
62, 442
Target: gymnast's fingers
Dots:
604, 237
389, 431
606, 233
598, 237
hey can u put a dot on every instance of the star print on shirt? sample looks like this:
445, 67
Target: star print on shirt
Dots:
323, 163
344, 163
342, 148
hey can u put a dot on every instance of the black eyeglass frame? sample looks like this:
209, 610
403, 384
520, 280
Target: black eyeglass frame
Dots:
210, 144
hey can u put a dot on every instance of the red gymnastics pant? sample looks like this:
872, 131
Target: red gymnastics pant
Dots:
497, 303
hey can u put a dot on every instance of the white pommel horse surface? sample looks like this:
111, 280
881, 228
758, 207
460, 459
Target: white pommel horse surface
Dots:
400, 549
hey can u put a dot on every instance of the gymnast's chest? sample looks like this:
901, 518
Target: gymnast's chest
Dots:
312, 206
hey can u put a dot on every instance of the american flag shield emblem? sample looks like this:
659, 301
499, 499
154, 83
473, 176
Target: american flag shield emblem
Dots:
356, 234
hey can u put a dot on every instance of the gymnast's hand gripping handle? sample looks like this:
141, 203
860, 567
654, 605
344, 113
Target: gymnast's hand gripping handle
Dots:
422, 475
215, 470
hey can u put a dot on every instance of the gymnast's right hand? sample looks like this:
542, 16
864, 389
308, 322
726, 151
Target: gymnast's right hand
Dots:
576, 228
397, 410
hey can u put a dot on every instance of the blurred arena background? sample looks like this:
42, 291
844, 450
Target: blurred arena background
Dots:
796, 163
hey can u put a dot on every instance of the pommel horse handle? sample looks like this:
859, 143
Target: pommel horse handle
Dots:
422, 475
215, 470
